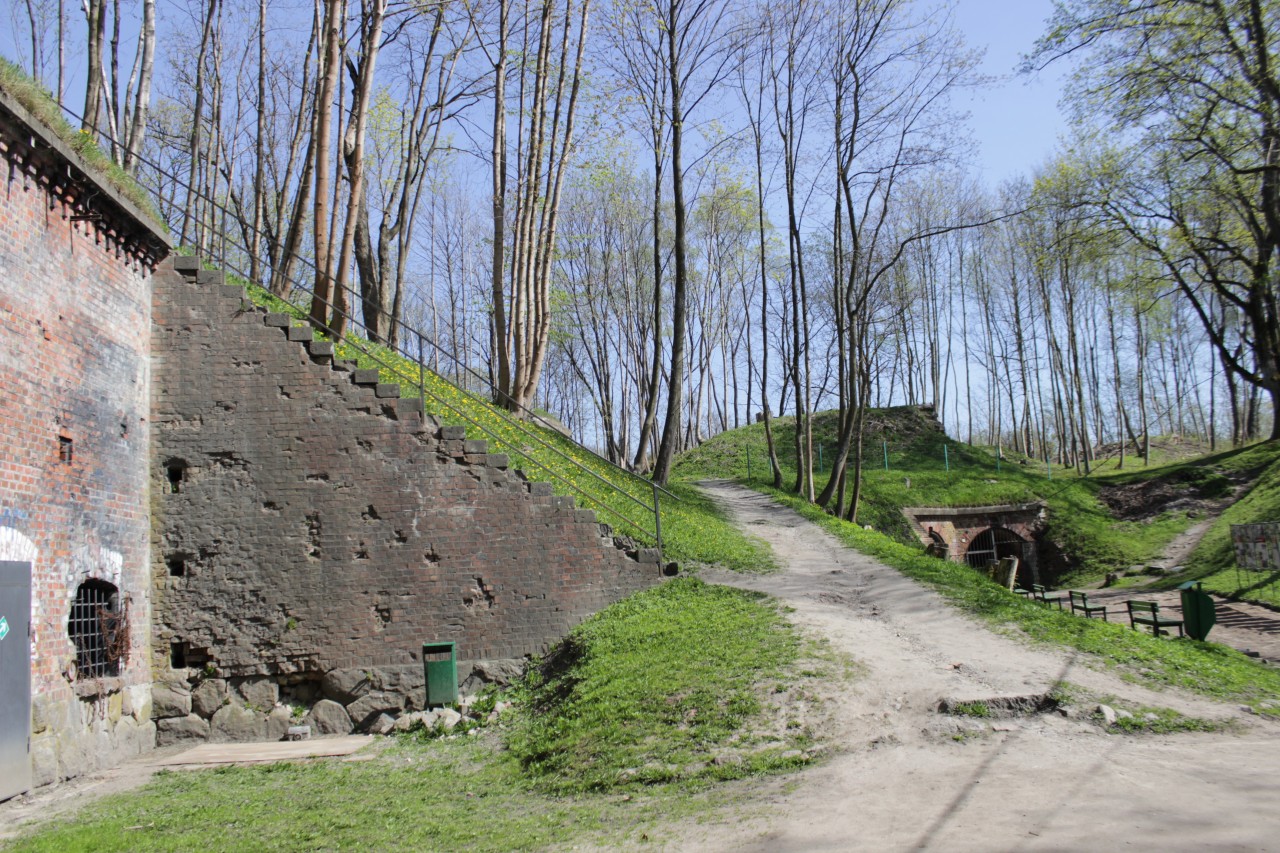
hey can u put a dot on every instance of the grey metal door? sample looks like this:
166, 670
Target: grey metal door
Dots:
15, 678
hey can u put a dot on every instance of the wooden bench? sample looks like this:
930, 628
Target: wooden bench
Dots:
1040, 594
1148, 613
1080, 604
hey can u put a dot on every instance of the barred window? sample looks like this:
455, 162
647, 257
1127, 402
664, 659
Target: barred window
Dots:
99, 628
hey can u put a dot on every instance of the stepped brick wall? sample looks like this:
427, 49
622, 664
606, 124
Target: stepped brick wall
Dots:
75, 313
312, 530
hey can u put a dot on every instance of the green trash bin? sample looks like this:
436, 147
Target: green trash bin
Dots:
440, 665
1198, 613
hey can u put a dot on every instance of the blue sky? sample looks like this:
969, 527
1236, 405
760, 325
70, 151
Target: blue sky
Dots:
1016, 121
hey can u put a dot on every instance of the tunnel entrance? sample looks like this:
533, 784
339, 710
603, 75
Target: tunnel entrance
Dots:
994, 543
979, 534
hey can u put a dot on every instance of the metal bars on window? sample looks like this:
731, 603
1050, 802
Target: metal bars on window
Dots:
99, 628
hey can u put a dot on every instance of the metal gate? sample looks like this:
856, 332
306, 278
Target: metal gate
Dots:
15, 678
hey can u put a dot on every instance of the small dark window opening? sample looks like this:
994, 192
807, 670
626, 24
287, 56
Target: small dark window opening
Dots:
178, 655
66, 450
177, 565
177, 472
99, 628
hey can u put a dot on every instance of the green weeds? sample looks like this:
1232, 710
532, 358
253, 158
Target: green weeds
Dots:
661, 687
1209, 669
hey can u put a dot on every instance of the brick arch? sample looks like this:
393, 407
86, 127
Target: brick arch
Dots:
993, 543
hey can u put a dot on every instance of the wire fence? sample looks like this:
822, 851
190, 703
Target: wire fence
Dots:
222, 249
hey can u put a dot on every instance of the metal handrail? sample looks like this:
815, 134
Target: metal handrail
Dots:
424, 392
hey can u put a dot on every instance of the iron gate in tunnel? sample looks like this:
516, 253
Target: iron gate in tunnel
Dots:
994, 543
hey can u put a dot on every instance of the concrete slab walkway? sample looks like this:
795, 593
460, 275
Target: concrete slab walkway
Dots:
258, 753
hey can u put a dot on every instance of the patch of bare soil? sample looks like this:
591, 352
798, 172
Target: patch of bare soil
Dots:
1190, 490
902, 775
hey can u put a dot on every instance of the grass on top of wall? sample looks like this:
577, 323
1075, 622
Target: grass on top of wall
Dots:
693, 528
40, 103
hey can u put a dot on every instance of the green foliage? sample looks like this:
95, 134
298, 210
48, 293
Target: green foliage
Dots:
1146, 719
970, 709
644, 693
459, 794
917, 475
41, 105
1214, 561
650, 689
1206, 668
693, 528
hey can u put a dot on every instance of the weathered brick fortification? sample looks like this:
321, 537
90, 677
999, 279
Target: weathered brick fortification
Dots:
957, 528
75, 312
312, 530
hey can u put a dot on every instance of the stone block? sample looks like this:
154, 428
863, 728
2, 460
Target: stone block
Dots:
345, 685
386, 390
329, 718
382, 724
300, 333
234, 723
260, 694
208, 696
366, 709
170, 700
186, 264
366, 377
173, 730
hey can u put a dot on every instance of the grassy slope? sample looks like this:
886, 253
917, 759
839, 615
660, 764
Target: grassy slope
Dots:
1206, 668
693, 530
1213, 559
918, 475
638, 699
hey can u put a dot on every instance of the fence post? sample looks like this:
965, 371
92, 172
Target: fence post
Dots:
657, 519
422, 379
748, 464
946, 458
885, 446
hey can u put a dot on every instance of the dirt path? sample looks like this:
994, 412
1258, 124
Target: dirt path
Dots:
905, 777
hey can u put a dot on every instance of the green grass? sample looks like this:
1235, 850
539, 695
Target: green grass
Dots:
1213, 560
1206, 668
922, 473
461, 794
654, 688
40, 103
693, 528
618, 731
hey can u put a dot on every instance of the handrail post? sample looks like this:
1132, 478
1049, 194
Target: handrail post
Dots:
657, 519
422, 380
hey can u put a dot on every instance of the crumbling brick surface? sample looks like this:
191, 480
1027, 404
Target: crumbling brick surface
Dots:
307, 520
75, 319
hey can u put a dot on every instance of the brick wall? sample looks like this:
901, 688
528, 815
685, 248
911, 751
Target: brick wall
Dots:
309, 522
957, 527
74, 385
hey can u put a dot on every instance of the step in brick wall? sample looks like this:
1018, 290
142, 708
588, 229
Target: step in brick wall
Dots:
308, 520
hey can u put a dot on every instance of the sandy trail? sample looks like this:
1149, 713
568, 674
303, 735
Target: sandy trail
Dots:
905, 777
